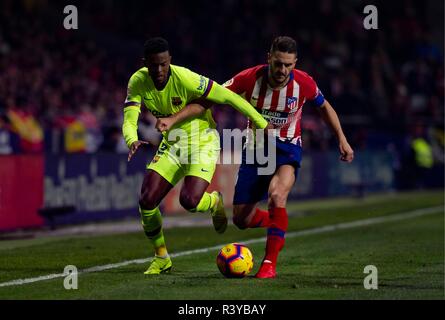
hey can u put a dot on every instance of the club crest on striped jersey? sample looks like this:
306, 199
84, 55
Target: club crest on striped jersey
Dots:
291, 102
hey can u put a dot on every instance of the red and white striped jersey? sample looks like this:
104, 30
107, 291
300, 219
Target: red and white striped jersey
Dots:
283, 107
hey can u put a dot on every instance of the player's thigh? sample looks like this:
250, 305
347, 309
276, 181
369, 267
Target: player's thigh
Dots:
151, 196
204, 171
203, 158
281, 184
250, 187
199, 172
167, 164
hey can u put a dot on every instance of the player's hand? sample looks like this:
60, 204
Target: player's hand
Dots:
346, 152
134, 147
165, 124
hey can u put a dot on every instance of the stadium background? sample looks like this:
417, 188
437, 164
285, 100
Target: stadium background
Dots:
61, 95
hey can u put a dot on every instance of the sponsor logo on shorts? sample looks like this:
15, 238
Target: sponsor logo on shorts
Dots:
155, 159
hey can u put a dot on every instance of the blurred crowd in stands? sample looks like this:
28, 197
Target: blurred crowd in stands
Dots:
63, 90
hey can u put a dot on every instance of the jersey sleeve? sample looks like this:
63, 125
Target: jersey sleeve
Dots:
220, 95
197, 86
133, 94
313, 94
131, 111
238, 83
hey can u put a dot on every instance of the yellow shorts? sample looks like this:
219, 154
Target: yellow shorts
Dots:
173, 161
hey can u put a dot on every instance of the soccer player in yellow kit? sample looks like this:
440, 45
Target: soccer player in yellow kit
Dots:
189, 148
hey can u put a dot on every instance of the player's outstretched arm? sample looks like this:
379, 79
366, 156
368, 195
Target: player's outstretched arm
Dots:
220, 95
330, 117
190, 111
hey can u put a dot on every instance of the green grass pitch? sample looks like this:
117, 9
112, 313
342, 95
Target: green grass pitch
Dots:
325, 264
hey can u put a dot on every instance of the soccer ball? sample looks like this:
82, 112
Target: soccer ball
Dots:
235, 260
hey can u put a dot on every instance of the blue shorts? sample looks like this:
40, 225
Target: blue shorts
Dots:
251, 187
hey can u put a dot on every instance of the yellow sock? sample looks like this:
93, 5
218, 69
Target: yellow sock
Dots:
159, 244
207, 202
152, 224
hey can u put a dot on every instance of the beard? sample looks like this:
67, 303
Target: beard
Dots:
280, 78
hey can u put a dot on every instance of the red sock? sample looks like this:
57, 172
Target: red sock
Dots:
260, 219
275, 234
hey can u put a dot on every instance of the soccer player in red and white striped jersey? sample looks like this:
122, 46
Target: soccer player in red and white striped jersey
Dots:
278, 91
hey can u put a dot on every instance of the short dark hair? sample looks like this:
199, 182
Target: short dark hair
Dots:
155, 45
284, 44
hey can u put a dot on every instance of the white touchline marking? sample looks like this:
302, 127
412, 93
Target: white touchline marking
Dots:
329, 228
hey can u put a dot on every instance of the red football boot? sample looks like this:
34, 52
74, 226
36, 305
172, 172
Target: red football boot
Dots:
267, 270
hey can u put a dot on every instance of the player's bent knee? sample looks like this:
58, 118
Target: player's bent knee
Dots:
189, 202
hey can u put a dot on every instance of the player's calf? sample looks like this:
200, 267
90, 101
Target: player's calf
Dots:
207, 202
278, 198
152, 225
245, 217
148, 200
240, 222
241, 214
275, 242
